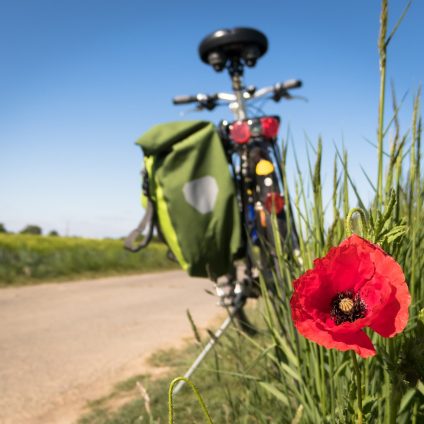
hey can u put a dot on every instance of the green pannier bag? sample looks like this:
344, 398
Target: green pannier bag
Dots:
191, 197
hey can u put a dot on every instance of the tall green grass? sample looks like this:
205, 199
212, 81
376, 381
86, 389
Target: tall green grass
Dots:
314, 384
28, 259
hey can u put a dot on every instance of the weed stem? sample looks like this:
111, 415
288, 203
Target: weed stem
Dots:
196, 392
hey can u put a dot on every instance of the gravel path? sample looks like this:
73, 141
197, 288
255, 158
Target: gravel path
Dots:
63, 344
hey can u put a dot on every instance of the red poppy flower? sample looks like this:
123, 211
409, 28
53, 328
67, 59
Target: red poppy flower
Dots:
356, 285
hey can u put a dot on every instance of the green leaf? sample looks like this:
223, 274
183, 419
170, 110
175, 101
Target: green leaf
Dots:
368, 404
340, 369
290, 371
406, 399
285, 347
420, 387
194, 327
395, 233
298, 417
275, 392
395, 28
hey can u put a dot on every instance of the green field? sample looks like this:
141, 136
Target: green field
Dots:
28, 259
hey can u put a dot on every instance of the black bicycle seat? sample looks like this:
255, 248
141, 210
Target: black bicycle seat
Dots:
245, 44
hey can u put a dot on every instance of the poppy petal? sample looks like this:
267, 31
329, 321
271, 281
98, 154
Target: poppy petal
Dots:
357, 340
346, 267
386, 324
394, 315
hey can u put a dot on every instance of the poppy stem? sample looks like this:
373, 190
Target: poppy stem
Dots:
358, 384
394, 394
364, 221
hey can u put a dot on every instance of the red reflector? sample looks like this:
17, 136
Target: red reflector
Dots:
274, 202
270, 126
240, 132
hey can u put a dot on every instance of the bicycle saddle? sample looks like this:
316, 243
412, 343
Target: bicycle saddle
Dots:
241, 44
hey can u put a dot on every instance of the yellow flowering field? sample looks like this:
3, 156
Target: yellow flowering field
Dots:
31, 258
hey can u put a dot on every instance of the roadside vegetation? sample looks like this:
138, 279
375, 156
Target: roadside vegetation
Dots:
31, 258
227, 378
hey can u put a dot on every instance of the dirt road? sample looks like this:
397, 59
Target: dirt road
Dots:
62, 344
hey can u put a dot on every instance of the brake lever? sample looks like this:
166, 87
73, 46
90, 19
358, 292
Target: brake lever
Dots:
198, 108
208, 104
286, 95
305, 99
278, 96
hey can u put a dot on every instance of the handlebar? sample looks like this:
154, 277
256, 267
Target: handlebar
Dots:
292, 84
204, 101
181, 100
209, 102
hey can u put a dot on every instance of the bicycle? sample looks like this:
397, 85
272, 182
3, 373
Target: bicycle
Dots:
251, 146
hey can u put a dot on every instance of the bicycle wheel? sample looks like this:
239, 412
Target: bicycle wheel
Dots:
270, 215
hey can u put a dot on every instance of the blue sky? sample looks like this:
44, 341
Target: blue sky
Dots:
80, 81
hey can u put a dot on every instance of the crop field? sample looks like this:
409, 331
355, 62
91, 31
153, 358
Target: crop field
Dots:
28, 259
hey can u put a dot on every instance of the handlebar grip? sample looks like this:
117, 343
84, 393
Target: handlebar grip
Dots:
181, 100
287, 85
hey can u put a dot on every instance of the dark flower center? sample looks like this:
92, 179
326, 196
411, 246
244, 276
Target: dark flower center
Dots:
347, 306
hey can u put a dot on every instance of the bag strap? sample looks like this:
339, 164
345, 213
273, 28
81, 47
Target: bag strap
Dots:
147, 221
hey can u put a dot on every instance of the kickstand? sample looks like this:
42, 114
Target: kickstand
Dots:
206, 349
